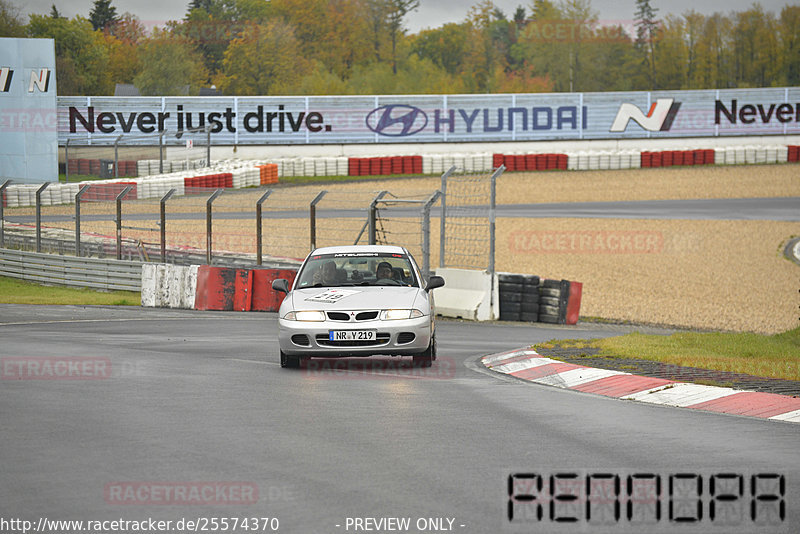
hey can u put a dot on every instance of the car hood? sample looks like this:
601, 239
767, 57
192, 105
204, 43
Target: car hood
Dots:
354, 298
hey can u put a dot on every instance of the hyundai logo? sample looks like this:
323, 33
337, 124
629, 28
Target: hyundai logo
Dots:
397, 120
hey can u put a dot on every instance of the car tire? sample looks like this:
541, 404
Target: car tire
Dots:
425, 358
289, 362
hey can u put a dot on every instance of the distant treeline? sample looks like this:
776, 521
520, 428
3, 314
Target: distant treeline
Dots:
326, 47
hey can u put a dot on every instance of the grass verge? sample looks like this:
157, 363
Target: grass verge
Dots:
775, 356
13, 291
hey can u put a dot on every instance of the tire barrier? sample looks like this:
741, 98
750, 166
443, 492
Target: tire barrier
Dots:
268, 173
384, 166
108, 191
527, 298
531, 162
96, 167
669, 158
518, 295
241, 173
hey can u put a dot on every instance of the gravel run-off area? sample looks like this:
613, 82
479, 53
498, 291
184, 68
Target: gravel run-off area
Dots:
704, 274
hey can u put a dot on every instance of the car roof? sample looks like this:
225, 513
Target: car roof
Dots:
384, 249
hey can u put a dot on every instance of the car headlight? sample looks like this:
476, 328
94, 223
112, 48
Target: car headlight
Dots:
305, 316
393, 315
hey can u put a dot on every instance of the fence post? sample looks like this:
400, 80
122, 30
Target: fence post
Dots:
443, 218
116, 156
258, 224
161, 151
373, 217
39, 216
210, 201
78, 196
426, 234
492, 209
312, 218
208, 145
122, 195
66, 159
2, 218
164, 224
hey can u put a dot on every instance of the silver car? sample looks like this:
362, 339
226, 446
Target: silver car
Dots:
357, 300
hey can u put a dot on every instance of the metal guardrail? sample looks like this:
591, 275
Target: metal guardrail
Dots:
93, 273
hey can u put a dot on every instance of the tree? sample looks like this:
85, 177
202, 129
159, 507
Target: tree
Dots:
103, 15
265, 60
398, 9
321, 81
756, 48
124, 63
672, 54
789, 42
11, 24
693, 31
335, 32
445, 46
170, 66
81, 56
129, 29
646, 37
579, 43
54, 12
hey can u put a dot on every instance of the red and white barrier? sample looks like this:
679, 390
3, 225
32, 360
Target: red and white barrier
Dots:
207, 287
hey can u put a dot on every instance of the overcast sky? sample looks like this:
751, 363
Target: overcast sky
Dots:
431, 13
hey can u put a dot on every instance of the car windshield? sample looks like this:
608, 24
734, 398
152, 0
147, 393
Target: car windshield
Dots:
337, 270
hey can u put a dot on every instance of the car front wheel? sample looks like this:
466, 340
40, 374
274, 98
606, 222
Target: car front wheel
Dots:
288, 361
425, 358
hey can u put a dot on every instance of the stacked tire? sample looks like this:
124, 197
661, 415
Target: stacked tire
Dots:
519, 297
554, 295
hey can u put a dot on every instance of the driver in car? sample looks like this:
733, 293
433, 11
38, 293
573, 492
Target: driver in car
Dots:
326, 274
384, 271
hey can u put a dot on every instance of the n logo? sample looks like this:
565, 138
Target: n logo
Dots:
659, 118
40, 80
6, 74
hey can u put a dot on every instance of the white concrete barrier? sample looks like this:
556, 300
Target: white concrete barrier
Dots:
169, 286
467, 294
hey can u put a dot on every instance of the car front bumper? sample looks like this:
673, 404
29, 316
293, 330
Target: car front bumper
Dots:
307, 338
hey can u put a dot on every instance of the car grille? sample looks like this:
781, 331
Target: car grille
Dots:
360, 316
380, 339
405, 337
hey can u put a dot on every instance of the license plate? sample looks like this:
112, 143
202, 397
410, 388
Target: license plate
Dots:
351, 335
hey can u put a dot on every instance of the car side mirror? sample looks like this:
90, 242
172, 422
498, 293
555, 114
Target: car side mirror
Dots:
280, 284
434, 282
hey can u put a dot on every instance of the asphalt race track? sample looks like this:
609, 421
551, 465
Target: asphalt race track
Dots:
772, 209
175, 402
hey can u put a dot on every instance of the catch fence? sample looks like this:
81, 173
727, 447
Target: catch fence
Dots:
277, 225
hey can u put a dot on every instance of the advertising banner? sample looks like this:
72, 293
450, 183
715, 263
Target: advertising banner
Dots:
28, 136
433, 118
